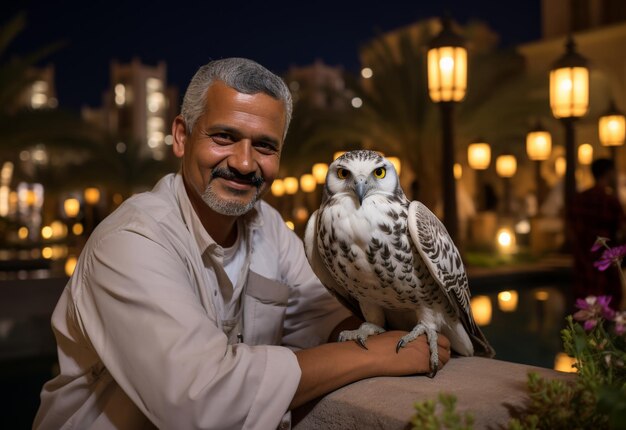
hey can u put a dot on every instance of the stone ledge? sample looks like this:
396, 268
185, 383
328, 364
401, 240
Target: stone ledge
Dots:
487, 388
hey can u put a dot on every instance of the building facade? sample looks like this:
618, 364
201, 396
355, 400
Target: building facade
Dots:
138, 108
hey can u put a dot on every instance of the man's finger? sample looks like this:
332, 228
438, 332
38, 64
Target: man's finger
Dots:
443, 341
444, 355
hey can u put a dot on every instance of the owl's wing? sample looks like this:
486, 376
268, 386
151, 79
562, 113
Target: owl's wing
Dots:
320, 270
444, 263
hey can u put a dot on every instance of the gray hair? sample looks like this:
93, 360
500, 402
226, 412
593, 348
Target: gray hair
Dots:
241, 74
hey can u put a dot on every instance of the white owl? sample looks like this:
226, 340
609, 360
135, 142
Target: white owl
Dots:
390, 260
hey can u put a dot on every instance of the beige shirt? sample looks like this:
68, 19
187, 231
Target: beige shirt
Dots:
140, 325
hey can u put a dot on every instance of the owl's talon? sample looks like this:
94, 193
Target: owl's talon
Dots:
433, 372
361, 334
399, 345
360, 340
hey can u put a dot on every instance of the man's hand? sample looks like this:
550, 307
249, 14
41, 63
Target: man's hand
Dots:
333, 365
412, 359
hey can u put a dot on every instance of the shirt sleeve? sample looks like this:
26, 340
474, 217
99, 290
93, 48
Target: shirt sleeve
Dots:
138, 309
312, 312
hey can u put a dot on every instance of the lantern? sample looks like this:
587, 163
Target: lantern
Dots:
538, 143
307, 183
612, 127
506, 166
291, 185
479, 155
569, 84
319, 171
447, 66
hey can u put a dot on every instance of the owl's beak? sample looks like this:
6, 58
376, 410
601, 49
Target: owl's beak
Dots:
361, 187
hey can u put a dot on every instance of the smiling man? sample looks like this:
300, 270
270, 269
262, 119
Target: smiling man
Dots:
193, 305
231, 155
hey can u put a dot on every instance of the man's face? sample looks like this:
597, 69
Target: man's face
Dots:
232, 155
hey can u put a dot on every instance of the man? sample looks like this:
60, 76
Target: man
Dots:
193, 306
596, 212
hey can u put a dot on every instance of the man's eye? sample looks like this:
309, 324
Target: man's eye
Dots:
265, 147
380, 172
342, 173
222, 137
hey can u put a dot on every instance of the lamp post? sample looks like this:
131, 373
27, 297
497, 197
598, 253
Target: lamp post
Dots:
506, 166
291, 189
319, 171
569, 100
612, 128
278, 191
308, 183
92, 198
538, 149
612, 131
479, 155
585, 154
71, 207
447, 82
479, 158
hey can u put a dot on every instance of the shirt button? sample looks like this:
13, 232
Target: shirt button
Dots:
215, 293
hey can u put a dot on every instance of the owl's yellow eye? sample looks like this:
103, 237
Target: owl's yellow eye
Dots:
342, 173
380, 172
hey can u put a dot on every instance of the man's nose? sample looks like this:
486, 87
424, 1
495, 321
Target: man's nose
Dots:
242, 157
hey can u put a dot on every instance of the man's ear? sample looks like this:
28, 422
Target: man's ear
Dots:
179, 133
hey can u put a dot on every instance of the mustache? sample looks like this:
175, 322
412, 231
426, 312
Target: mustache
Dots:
224, 173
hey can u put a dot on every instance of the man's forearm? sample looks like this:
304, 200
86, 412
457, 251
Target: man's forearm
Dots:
328, 367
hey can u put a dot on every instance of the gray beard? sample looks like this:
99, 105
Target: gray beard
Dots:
227, 207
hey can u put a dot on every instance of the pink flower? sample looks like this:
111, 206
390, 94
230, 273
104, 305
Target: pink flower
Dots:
611, 256
592, 309
601, 242
620, 323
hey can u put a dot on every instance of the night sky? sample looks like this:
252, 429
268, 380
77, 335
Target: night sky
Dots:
185, 34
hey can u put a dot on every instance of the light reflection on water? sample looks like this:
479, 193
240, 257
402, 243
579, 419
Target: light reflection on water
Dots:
531, 333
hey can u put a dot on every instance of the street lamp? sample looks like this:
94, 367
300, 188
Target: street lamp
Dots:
506, 166
479, 158
569, 100
92, 198
319, 171
585, 154
71, 207
447, 82
291, 185
612, 130
585, 158
538, 149
308, 183
278, 188
479, 155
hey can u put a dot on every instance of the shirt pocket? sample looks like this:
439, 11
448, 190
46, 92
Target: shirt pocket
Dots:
265, 304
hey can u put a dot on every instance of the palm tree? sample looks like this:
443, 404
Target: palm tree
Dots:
315, 104
65, 138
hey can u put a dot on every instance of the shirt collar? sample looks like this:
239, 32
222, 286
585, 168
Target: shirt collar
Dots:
251, 220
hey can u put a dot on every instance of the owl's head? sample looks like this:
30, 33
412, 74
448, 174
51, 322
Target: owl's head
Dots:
362, 174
